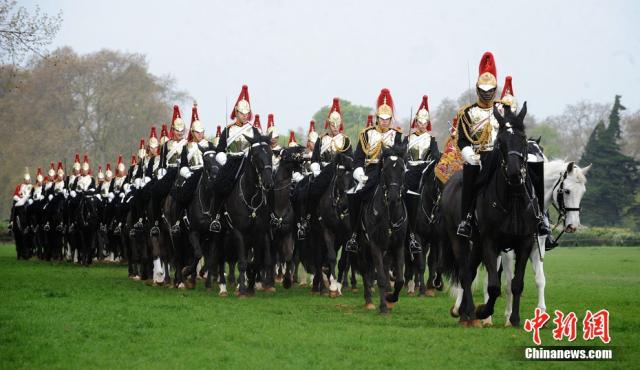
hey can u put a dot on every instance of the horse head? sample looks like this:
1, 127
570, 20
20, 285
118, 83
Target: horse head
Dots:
260, 157
392, 172
511, 142
568, 194
292, 158
210, 169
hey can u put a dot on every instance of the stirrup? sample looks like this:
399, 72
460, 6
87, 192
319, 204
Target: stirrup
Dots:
138, 225
155, 231
175, 228
60, 227
352, 245
215, 226
117, 230
543, 229
414, 245
46, 227
302, 229
464, 228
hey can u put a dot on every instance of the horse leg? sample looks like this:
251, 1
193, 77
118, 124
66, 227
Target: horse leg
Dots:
507, 269
517, 284
490, 258
367, 284
287, 255
242, 264
536, 257
329, 243
399, 283
381, 277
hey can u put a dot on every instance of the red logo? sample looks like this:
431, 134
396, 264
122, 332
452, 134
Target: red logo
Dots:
594, 325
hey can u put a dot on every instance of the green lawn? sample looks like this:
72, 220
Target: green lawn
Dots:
66, 316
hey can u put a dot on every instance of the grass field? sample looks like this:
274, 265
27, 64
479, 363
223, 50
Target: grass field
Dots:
65, 316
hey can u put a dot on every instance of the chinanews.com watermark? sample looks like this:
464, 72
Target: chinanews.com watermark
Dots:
595, 327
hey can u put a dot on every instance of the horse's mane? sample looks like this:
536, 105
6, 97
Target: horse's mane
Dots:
559, 166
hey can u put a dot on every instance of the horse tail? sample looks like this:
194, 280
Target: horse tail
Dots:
448, 264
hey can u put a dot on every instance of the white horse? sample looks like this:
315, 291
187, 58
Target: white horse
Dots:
565, 185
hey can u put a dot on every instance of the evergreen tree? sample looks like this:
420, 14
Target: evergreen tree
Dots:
614, 177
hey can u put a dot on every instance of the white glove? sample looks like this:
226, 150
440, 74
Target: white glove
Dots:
146, 180
16, 198
121, 195
110, 196
73, 193
315, 168
30, 201
296, 176
221, 158
137, 183
127, 188
50, 197
470, 156
185, 172
161, 173
98, 197
359, 175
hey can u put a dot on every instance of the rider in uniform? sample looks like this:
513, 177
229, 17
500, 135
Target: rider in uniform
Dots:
422, 151
371, 141
477, 131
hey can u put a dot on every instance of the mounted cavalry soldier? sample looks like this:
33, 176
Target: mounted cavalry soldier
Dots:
422, 151
168, 166
322, 168
51, 175
191, 162
367, 154
75, 172
233, 148
477, 131
85, 182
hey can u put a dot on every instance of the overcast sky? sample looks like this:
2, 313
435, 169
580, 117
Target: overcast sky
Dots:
297, 55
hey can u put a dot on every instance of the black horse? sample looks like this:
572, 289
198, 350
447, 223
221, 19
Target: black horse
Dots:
21, 231
330, 226
505, 220
384, 226
247, 216
54, 227
87, 226
282, 218
426, 235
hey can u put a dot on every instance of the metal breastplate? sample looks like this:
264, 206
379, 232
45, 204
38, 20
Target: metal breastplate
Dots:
194, 156
58, 186
37, 192
156, 164
329, 146
104, 188
25, 189
236, 142
118, 183
480, 118
418, 148
174, 149
84, 182
375, 139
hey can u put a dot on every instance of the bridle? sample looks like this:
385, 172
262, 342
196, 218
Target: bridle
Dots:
393, 226
558, 203
523, 164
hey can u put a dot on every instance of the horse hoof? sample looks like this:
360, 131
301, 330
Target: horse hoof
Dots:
486, 323
354, 290
411, 294
223, 294
507, 324
430, 293
390, 305
482, 311
474, 323
189, 285
302, 285
182, 286
369, 307
137, 278
270, 289
454, 312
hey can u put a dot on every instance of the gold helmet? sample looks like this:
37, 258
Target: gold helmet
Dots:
76, 163
177, 124
335, 116
243, 104
271, 126
384, 105
26, 176
312, 136
292, 140
196, 125
52, 171
85, 165
423, 116
120, 168
100, 174
39, 176
60, 171
108, 173
142, 152
487, 73
153, 139
508, 96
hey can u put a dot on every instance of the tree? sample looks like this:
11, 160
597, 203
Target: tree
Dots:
550, 139
22, 33
100, 104
575, 123
614, 177
631, 135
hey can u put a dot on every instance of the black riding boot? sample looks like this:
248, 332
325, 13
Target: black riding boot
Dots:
469, 175
537, 179
355, 203
412, 202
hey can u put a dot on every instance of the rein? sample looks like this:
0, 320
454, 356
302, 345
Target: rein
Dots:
560, 207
